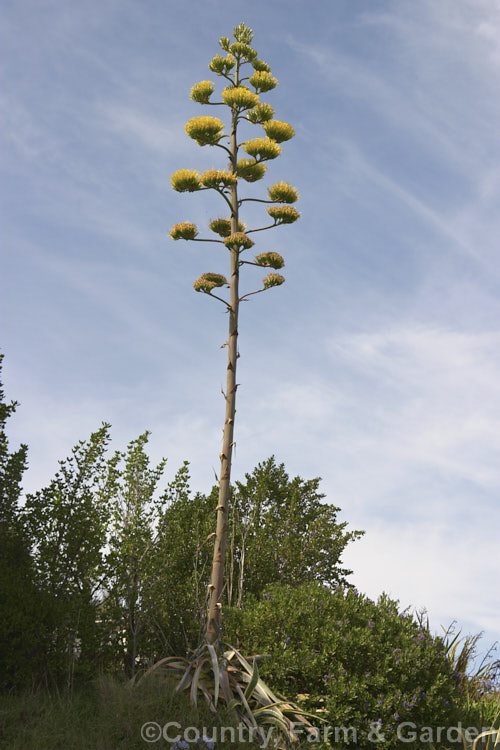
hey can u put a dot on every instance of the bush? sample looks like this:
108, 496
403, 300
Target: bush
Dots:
354, 662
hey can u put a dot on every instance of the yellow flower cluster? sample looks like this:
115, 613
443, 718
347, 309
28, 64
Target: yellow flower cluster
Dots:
209, 281
240, 49
273, 279
261, 113
261, 65
283, 192
218, 178
250, 170
222, 65
278, 131
283, 214
238, 240
263, 81
240, 97
222, 227
184, 231
202, 91
205, 130
273, 260
186, 180
264, 148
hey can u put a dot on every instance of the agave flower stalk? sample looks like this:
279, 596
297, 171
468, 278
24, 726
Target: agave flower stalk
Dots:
245, 106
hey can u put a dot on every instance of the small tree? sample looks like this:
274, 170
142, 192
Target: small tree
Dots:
245, 105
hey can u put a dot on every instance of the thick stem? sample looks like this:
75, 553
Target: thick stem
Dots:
217, 578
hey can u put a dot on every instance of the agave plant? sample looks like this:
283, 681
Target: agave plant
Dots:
234, 682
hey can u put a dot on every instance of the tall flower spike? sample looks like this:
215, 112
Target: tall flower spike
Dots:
184, 231
186, 180
202, 91
278, 131
263, 81
273, 279
264, 148
240, 97
283, 192
206, 131
283, 214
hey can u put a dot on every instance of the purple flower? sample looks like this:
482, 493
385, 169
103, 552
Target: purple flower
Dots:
287, 640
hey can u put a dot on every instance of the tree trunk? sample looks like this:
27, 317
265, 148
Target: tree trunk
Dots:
217, 578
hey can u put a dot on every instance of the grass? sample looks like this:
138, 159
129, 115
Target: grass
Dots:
107, 715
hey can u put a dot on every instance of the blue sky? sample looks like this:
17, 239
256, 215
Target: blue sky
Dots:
376, 366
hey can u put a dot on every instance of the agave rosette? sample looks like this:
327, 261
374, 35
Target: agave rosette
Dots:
235, 681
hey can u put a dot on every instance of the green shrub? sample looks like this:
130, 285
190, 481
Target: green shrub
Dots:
355, 662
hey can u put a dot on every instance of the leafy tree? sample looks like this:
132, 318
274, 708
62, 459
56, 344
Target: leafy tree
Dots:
20, 647
245, 106
181, 564
68, 524
281, 531
129, 561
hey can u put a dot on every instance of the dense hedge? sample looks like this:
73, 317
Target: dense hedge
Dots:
357, 663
